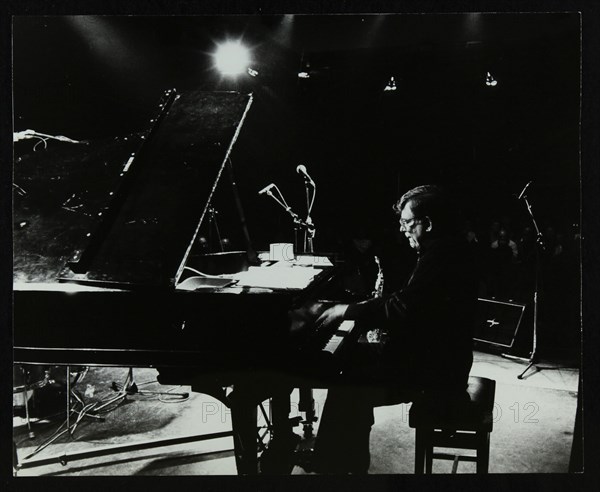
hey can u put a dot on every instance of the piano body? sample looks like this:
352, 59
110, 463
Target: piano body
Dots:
103, 241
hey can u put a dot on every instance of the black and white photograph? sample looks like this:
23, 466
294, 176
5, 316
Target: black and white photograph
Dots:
296, 244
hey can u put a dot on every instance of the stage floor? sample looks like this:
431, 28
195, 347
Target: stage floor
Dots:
533, 427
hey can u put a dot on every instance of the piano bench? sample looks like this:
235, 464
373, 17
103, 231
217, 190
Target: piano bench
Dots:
459, 423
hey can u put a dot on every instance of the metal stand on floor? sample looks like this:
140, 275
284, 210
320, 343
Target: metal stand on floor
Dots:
129, 388
539, 245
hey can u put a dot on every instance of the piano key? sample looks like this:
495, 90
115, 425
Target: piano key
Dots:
336, 341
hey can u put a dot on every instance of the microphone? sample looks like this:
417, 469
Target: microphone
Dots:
524, 190
301, 169
266, 189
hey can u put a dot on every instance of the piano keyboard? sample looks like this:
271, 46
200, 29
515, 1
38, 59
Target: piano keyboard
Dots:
337, 339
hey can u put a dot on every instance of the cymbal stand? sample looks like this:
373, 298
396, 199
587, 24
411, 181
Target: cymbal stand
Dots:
67, 427
129, 388
30, 386
532, 359
25, 388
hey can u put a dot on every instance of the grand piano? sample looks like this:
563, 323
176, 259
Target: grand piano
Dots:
106, 268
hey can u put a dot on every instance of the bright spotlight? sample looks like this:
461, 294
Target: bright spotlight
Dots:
232, 58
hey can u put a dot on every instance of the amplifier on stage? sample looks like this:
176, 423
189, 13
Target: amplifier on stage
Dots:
497, 322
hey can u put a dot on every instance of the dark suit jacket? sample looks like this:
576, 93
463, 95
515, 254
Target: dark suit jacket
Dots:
429, 321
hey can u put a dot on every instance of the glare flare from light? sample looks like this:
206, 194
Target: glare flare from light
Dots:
232, 58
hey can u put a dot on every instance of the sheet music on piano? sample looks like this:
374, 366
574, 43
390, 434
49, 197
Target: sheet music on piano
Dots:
314, 260
277, 276
280, 275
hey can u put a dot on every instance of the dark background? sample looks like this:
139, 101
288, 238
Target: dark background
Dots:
91, 77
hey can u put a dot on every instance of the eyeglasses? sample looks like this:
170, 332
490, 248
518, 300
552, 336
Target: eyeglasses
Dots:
408, 223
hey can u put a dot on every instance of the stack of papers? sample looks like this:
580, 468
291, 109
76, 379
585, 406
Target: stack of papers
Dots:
290, 277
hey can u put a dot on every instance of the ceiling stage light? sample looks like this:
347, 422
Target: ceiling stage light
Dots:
391, 85
490, 81
232, 58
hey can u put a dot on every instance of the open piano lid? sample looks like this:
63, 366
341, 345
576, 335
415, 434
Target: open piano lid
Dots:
125, 214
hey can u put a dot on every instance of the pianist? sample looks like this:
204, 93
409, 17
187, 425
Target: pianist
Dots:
429, 346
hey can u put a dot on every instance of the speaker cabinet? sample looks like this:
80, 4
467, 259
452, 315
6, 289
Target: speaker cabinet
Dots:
497, 322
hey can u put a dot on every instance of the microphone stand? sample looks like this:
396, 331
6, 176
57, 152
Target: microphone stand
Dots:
309, 232
306, 402
539, 245
212, 223
298, 222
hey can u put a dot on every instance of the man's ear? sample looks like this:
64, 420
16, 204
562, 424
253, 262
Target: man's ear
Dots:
429, 226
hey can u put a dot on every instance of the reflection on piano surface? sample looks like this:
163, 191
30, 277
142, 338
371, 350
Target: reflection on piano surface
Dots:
103, 273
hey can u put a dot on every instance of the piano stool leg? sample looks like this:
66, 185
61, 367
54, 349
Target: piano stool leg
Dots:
429, 451
483, 451
420, 445
15, 457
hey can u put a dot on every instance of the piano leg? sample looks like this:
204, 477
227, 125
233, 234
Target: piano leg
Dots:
278, 457
244, 417
242, 401
307, 405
